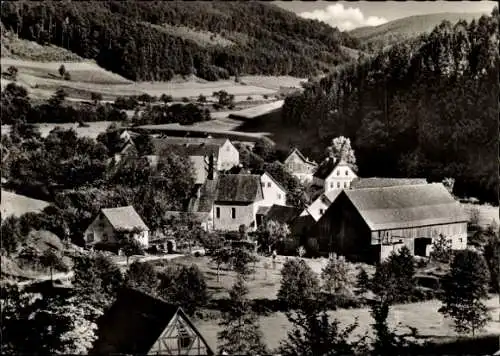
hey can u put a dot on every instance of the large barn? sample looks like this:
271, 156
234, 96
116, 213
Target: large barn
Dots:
368, 224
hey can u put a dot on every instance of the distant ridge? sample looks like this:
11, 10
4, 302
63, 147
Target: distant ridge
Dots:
407, 27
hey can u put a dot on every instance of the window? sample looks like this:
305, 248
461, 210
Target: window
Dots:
217, 213
263, 184
321, 211
233, 213
345, 184
346, 172
269, 184
228, 148
185, 342
279, 196
90, 237
338, 172
338, 184
331, 185
104, 237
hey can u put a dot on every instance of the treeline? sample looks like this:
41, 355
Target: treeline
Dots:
126, 37
424, 108
16, 108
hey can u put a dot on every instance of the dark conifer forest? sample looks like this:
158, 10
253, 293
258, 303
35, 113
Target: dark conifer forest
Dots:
153, 40
426, 107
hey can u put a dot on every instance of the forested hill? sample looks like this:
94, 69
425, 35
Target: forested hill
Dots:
374, 38
144, 40
424, 108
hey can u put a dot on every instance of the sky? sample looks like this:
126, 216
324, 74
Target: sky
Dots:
347, 15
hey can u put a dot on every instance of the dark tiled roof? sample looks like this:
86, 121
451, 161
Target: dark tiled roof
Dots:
204, 203
242, 188
375, 182
189, 146
282, 214
263, 210
124, 218
133, 324
406, 206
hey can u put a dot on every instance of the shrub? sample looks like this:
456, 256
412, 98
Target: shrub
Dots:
441, 249
336, 276
67, 76
185, 100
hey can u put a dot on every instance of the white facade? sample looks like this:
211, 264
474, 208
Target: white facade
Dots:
340, 178
229, 157
321, 204
300, 167
273, 192
101, 231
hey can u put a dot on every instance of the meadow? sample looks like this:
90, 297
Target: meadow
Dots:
265, 282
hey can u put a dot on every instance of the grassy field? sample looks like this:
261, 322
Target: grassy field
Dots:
94, 129
265, 284
423, 316
17, 205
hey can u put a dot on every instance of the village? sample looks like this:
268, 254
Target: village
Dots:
249, 178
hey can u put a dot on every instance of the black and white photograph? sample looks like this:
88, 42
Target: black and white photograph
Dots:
316, 178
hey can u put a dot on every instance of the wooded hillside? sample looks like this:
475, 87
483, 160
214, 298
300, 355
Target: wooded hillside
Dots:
155, 40
425, 108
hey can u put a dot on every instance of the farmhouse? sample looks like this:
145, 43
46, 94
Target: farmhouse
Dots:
115, 223
236, 201
300, 166
334, 174
368, 224
273, 192
138, 324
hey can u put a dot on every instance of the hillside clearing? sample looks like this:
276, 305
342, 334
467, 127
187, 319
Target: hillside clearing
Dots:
16, 205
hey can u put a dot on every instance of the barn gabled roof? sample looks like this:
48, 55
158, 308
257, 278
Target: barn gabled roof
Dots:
135, 322
124, 218
239, 188
376, 182
406, 206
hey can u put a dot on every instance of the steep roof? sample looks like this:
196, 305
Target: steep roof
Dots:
204, 202
327, 167
376, 182
191, 146
124, 218
276, 182
134, 322
406, 206
301, 156
242, 188
282, 214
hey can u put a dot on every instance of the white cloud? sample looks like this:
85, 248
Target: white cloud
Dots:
345, 18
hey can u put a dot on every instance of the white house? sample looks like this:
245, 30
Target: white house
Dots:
112, 223
333, 174
274, 193
236, 201
321, 204
300, 166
